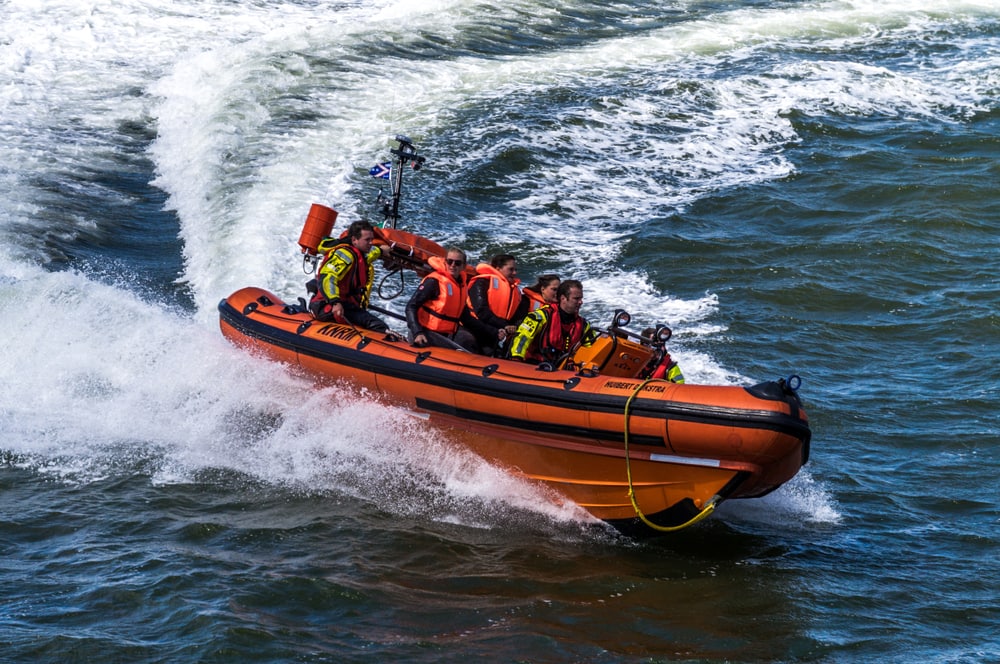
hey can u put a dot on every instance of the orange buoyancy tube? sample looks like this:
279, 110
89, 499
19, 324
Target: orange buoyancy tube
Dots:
411, 243
412, 250
503, 297
443, 314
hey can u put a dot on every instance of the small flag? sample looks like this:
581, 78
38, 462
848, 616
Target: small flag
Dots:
381, 170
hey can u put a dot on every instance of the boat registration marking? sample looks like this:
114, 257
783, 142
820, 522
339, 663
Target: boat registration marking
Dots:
622, 385
669, 458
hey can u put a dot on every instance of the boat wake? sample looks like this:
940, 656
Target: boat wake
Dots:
121, 387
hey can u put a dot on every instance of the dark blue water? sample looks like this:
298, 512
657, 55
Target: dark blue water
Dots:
803, 188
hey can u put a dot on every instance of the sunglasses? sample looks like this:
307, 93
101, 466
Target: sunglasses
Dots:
453, 262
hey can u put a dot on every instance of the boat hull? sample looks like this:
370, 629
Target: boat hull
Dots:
640, 455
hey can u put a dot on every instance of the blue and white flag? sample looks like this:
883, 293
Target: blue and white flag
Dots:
381, 170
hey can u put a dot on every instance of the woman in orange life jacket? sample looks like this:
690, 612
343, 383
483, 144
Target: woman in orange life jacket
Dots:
553, 332
543, 292
438, 306
343, 282
496, 300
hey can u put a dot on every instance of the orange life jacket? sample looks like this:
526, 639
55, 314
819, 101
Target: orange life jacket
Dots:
535, 299
503, 296
443, 314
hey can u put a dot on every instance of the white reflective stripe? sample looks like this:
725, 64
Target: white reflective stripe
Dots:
688, 461
417, 414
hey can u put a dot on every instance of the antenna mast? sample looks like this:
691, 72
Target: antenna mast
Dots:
406, 152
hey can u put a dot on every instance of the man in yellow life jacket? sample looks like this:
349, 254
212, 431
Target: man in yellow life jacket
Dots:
344, 280
553, 332
438, 313
496, 300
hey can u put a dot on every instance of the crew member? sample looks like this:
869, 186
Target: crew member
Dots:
495, 299
438, 313
343, 283
662, 366
543, 292
554, 332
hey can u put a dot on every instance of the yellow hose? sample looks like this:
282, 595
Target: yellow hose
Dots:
709, 507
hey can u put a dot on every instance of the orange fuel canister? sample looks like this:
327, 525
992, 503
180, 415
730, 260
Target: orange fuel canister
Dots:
319, 224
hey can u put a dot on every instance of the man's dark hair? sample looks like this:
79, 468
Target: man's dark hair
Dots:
565, 286
358, 227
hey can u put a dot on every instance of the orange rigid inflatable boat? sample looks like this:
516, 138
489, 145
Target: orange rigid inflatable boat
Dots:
643, 454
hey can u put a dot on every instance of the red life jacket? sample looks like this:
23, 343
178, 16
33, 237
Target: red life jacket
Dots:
353, 285
556, 338
667, 369
560, 337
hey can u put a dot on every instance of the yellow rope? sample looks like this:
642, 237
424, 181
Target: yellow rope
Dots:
709, 507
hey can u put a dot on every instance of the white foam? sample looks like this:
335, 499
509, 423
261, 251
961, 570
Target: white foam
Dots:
800, 502
213, 80
115, 382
